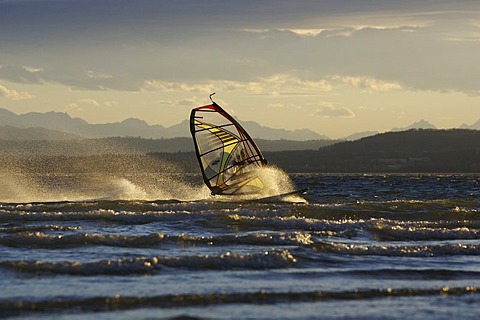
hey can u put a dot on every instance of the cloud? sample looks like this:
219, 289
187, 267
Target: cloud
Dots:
180, 103
416, 55
367, 83
286, 82
89, 101
11, 94
111, 103
257, 47
302, 32
98, 75
168, 86
330, 111
277, 105
275, 84
352, 31
337, 31
20, 74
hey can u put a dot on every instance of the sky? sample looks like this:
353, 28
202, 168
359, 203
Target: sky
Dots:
332, 66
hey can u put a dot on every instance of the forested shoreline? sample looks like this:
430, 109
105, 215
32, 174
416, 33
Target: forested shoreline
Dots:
409, 151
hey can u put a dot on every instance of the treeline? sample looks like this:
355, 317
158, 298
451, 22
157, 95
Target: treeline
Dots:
409, 151
133, 145
427, 150
100, 146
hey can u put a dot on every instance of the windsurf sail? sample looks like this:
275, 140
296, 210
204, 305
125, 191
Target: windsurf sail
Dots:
229, 158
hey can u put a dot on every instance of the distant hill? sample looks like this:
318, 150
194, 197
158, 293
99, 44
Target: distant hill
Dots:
50, 142
135, 127
474, 126
413, 142
360, 135
35, 133
412, 151
424, 150
422, 124
49, 120
87, 147
258, 131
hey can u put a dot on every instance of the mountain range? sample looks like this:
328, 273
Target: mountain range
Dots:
79, 128
475, 126
61, 126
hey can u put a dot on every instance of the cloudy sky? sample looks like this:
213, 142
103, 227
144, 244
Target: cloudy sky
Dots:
336, 67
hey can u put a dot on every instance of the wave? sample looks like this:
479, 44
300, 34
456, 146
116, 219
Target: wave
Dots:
42, 240
449, 272
118, 302
119, 214
421, 233
420, 250
31, 228
278, 231
126, 211
150, 265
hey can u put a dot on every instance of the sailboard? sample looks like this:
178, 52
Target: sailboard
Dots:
229, 158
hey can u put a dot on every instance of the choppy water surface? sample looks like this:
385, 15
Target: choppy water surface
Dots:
361, 246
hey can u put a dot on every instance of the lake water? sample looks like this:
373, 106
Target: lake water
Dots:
354, 246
